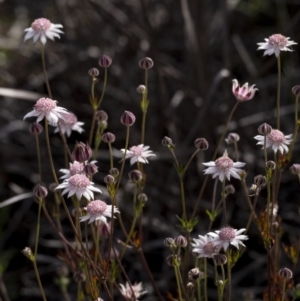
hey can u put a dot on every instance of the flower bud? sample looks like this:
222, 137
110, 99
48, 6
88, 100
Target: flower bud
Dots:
190, 286
264, 129
141, 89
220, 259
108, 137
35, 128
127, 118
229, 189
82, 152
146, 63
260, 180
172, 259
101, 115
194, 274
142, 197
28, 253
295, 169
286, 273
114, 172
201, 143
232, 138
169, 242
105, 61
135, 176
90, 169
167, 142
109, 180
180, 241
52, 187
271, 165
40, 191
93, 72
296, 90
79, 277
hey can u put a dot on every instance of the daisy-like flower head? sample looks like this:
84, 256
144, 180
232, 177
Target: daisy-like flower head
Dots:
80, 185
228, 236
204, 247
223, 167
132, 292
276, 140
276, 43
98, 210
42, 29
75, 168
68, 123
138, 153
47, 108
243, 93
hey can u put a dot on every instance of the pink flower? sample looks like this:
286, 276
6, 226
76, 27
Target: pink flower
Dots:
98, 210
243, 93
138, 153
224, 167
68, 123
276, 140
47, 108
204, 247
42, 29
80, 185
275, 43
132, 292
75, 168
228, 236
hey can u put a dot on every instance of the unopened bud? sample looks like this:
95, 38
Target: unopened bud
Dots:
167, 141
201, 143
28, 253
127, 118
194, 274
82, 152
180, 241
109, 180
232, 138
142, 197
90, 168
286, 273
79, 277
135, 176
229, 189
146, 63
114, 172
271, 165
264, 129
93, 72
35, 128
40, 191
169, 242
295, 169
173, 259
220, 259
141, 89
105, 61
190, 286
101, 115
296, 90
260, 180
108, 137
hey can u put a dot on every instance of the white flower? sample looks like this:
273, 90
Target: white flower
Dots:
80, 185
47, 108
68, 123
276, 43
132, 292
204, 247
243, 93
224, 167
98, 210
42, 29
75, 168
138, 153
228, 236
276, 140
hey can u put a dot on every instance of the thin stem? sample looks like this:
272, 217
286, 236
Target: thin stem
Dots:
190, 160
205, 279
217, 281
38, 227
178, 283
236, 151
224, 204
45, 70
283, 290
296, 127
228, 276
182, 197
213, 203
278, 92
37, 275
38, 152
111, 160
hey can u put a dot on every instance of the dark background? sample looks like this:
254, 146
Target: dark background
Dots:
197, 47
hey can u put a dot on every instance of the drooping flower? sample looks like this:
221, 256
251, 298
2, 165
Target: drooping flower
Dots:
243, 93
80, 185
204, 247
277, 140
98, 210
138, 153
276, 43
68, 123
47, 108
228, 236
224, 167
42, 29
132, 292
75, 168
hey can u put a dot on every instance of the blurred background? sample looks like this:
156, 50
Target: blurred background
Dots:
198, 47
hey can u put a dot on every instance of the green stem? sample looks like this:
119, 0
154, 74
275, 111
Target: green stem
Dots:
178, 283
205, 279
190, 160
236, 151
38, 227
182, 198
278, 92
38, 152
283, 290
228, 276
36, 271
110, 156
224, 204
45, 71
217, 281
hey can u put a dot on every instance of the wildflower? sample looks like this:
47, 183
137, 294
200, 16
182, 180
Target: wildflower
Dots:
47, 108
80, 185
75, 168
276, 140
223, 167
286, 273
105, 61
228, 236
98, 210
275, 43
138, 153
132, 292
146, 63
204, 247
68, 123
232, 138
243, 93
82, 152
42, 29
295, 169
127, 118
